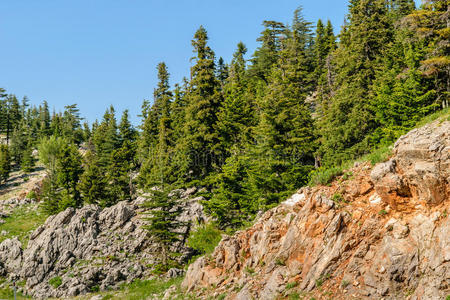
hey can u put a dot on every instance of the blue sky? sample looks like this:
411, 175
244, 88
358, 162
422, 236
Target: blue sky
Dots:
101, 52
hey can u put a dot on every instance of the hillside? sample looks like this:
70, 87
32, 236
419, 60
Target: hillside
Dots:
378, 232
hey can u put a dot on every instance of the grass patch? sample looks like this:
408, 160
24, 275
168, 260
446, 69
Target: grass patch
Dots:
8, 293
21, 222
337, 198
143, 289
55, 282
249, 270
382, 212
205, 238
324, 176
291, 285
294, 296
322, 279
380, 154
345, 283
280, 262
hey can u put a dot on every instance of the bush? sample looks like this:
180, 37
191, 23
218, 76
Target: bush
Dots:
32, 195
55, 282
324, 176
205, 238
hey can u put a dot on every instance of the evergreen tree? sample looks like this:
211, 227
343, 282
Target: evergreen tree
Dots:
236, 115
93, 184
432, 27
106, 138
203, 100
156, 153
284, 136
5, 163
162, 227
160, 96
348, 120
266, 55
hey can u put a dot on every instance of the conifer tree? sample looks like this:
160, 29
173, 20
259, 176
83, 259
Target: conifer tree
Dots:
160, 96
93, 184
203, 100
266, 55
284, 135
162, 225
349, 120
432, 27
156, 153
235, 116
105, 138
5, 163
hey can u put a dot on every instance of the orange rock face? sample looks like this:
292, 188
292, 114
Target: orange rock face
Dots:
389, 239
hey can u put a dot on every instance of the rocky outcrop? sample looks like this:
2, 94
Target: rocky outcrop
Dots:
374, 233
89, 249
419, 172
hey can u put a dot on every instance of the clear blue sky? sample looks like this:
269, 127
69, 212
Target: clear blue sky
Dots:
101, 52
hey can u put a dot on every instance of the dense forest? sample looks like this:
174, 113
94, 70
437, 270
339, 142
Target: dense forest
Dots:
249, 131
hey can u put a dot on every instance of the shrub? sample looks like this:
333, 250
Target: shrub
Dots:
205, 238
344, 283
324, 176
55, 282
338, 198
291, 285
280, 262
249, 270
32, 195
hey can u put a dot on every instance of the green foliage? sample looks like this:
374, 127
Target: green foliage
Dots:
324, 175
55, 282
205, 238
21, 222
162, 224
280, 262
5, 163
382, 212
344, 283
32, 195
93, 184
27, 160
291, 285
379, 155
337, 198
63, 163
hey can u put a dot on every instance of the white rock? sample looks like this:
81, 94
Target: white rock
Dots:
296, 198
375, 199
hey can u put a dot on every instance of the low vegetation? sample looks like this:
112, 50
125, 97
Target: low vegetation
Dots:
21, 223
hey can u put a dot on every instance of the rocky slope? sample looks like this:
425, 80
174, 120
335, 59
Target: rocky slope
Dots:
374, 233
89, 249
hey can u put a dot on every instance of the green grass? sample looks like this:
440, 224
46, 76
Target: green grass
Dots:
291, 285
8, 293
142, 289
324, 176
21, 222
205, 238
280, 262
55, 282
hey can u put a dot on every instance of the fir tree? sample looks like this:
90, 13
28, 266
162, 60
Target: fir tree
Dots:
203, 100
5, 163
93, 184
162, 227
349, 120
